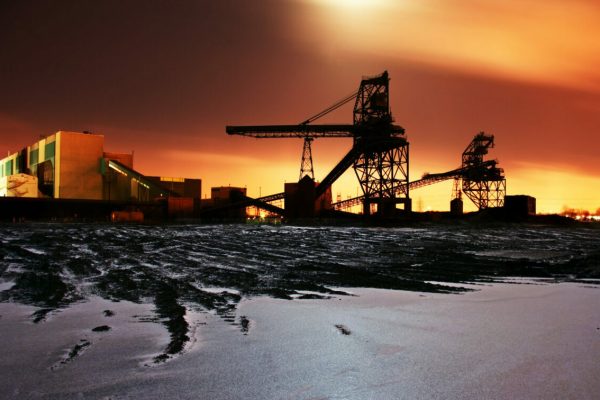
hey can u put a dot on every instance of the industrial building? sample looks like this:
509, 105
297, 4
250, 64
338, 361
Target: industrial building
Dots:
223, 201
301, 200
65, 165
69, 175
74, 165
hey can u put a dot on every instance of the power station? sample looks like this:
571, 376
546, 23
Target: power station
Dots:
380, 158
64, 172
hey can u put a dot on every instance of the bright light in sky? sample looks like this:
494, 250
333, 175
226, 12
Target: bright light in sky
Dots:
352, 3
533, 41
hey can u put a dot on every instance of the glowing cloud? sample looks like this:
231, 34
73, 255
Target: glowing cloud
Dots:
350, 4
551, 42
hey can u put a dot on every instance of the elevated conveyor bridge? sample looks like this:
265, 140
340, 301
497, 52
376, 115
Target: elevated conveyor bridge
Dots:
155, 190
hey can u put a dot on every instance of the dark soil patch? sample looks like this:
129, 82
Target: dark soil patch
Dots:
343, 329
101, 328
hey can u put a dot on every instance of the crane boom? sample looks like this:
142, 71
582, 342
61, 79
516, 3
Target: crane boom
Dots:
292, 131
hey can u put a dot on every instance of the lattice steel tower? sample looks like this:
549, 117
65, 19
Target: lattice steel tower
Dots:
306, 164
482, 182
379, 154
382, 164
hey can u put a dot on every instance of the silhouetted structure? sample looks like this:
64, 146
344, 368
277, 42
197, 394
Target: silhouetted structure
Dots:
301, 200
456, 206
379, 154
226, 202
519, 206
184, 187
481, 180
306, 164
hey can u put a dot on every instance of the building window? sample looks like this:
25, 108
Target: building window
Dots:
8, 167
33, 157
50, 150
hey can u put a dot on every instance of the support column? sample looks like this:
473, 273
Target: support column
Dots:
306, 164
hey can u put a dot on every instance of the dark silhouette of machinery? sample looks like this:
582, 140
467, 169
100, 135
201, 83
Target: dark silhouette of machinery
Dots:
480, 180
379, 154
306, 164
380, 158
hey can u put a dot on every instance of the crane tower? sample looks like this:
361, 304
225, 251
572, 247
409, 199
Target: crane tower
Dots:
379, 154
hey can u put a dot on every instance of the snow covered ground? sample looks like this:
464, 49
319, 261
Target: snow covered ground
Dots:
503, 341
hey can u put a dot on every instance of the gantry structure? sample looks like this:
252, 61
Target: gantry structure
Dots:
379, 154
481, 180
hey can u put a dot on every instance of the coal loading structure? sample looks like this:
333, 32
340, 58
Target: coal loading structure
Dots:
479, 179
380, 158
379, 154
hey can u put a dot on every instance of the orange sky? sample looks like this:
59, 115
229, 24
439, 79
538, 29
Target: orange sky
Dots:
164, 79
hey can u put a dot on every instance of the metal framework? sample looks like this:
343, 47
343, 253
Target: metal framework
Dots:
306, 164
481, 180
381, 173
426, 180
292, 131
456, 188
483, 184
372, 105
379, 154
382, 165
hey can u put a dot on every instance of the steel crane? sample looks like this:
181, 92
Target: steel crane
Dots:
379, 153
479, 179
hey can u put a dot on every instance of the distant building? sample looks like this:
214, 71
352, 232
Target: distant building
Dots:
227, 193
222, 201
301, 200
520, 205
184, 187
74, 165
